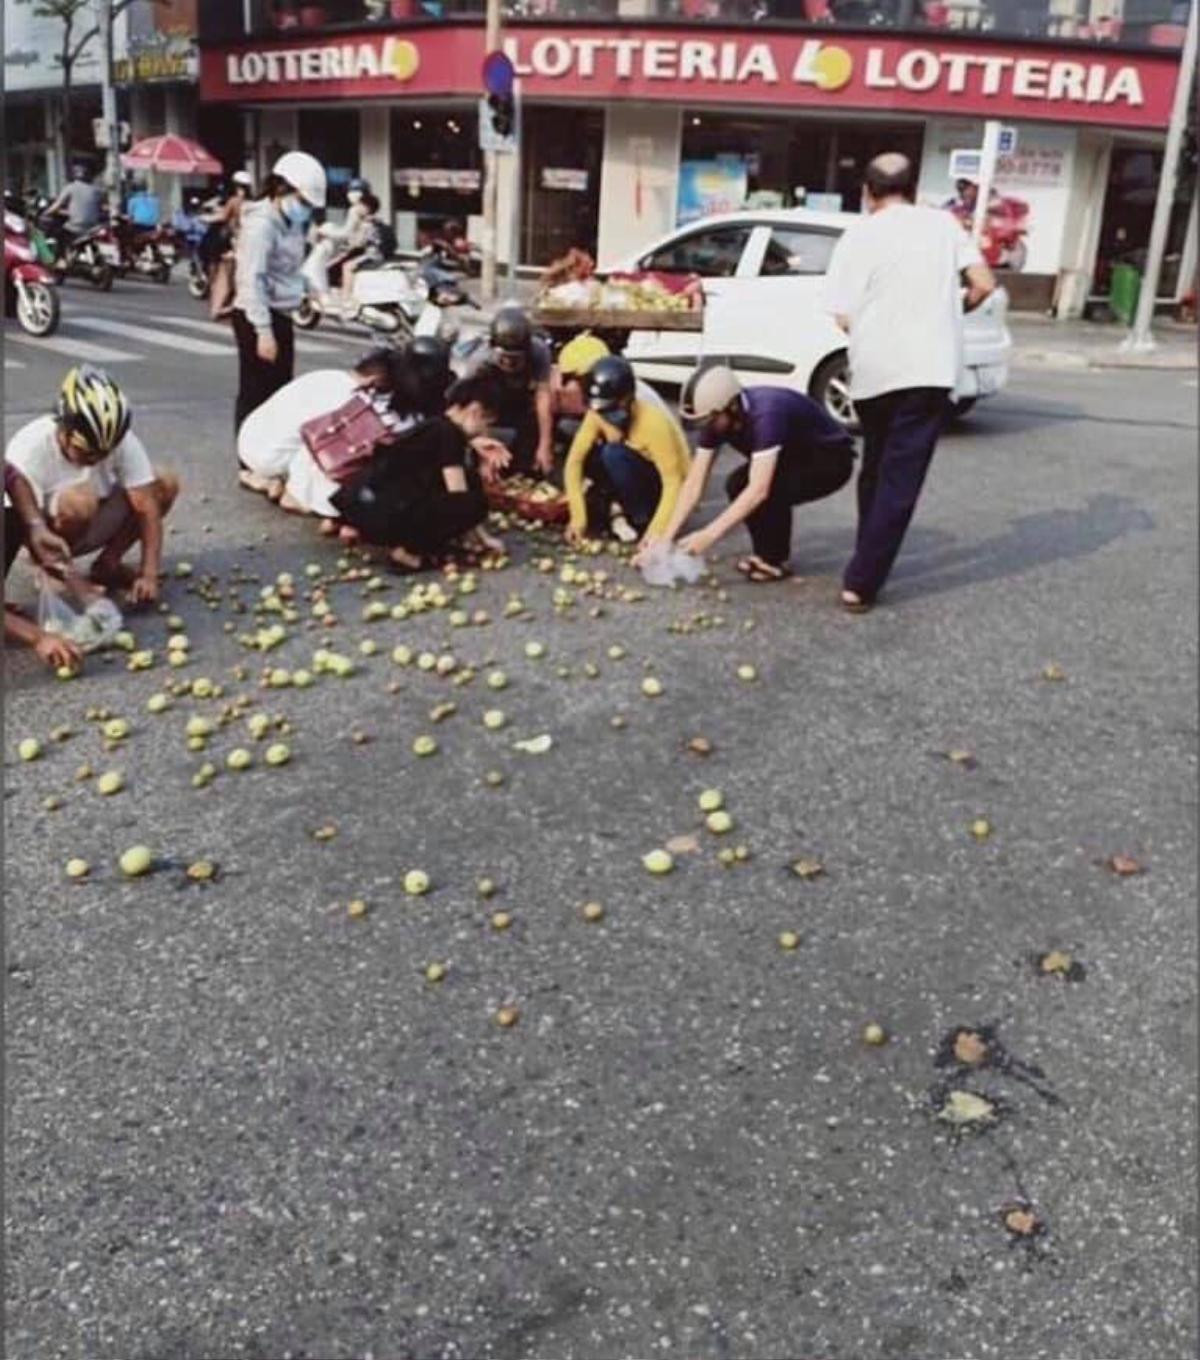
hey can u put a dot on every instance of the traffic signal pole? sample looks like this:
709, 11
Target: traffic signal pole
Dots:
491, 163
108, 107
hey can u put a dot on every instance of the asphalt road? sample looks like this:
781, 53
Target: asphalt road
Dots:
242, 1124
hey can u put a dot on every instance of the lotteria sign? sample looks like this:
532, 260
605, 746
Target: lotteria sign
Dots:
789, 69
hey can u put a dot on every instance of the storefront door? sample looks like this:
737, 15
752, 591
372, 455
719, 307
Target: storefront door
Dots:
1129, 210
562, 150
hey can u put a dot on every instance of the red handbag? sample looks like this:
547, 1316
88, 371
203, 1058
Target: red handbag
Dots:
342, 441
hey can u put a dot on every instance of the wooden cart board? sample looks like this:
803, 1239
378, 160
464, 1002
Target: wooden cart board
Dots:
610, 319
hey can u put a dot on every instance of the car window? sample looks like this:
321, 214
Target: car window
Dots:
793, 250
713, 254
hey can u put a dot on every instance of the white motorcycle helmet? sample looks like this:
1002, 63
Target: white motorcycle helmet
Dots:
305, 174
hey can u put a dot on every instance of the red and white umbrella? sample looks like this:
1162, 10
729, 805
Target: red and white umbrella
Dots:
171, 154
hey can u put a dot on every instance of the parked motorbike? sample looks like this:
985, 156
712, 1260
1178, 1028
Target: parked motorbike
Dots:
89, 255
393, 299
29, 286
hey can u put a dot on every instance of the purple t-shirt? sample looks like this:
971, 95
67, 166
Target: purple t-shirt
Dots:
778, 417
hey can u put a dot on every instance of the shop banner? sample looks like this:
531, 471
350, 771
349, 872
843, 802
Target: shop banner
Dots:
924, 74
1027, 214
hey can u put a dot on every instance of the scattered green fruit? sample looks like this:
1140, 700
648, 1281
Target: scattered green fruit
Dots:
788, 939
158, 703
239, 759
497, 680
535, 650
593, 911
658, 862
78, 868
113, 781
424, 746
29, 749
435, 972
981, 828
486, 887
136, 861
201, 870
416, 882
278, 754
357, 909
874, 1034
651, 687
116, 729
494, 719
507, 1016
719, 822
710, 800
501, 920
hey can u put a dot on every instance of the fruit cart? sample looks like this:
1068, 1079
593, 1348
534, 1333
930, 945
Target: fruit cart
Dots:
612, 325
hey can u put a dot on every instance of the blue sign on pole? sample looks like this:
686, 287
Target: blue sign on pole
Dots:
498, 74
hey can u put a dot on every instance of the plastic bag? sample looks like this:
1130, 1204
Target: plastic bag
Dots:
665, 564
94, 624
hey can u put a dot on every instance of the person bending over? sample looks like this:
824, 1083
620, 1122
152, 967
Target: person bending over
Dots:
631, 450
24, 526
423, 491
795, 452
519, 364
93, 482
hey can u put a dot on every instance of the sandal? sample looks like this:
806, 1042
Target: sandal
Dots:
328, 528
853, 602
760, 572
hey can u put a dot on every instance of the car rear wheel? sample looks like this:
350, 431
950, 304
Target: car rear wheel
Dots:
830, 388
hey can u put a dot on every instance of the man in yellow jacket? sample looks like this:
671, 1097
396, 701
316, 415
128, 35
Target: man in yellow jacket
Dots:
632, 451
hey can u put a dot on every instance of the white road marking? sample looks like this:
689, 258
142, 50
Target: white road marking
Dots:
303, 346
150, 336
74, 348
12, 363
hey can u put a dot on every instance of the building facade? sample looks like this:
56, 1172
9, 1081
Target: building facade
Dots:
638, 115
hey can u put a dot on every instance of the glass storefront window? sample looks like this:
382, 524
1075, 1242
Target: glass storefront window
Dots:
333, 136
561, 153
437, 172
788, 162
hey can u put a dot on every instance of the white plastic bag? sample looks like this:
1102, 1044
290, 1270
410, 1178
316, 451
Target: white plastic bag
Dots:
665, 564
94, 623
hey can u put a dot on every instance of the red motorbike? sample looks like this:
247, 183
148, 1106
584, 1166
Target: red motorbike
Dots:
29, 287
1004, 232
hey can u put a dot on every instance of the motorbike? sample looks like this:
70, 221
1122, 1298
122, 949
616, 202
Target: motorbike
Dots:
29, 286
1006, 226
89, 255
391, 298
144, 250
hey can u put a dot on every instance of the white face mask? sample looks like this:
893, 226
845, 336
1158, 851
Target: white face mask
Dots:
354, 196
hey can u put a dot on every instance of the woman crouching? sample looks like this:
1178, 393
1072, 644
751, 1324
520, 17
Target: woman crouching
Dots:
422, 490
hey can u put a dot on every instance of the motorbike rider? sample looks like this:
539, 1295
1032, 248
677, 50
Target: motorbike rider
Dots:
521, 363
142, 207
339, 244
76, 209
224, 219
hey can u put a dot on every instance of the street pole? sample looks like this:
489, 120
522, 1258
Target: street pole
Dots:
1140, 340
987, 175
514, 224
491, 162
108, 106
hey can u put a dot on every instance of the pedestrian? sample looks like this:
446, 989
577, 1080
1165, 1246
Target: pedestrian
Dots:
520, 365
422, 492
894, 285
94, 484
794, 451
269, 285
631, 450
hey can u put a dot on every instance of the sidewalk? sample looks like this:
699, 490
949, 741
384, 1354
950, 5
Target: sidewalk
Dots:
1039, 342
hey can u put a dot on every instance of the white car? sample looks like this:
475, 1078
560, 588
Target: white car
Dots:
763, 273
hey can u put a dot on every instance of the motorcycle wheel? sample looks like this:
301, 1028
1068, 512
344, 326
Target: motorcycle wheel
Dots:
38, 309
102, 277
197, 286
162, 273
307, 315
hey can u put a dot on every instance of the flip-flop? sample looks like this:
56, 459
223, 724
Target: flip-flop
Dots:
758, 572
857, 605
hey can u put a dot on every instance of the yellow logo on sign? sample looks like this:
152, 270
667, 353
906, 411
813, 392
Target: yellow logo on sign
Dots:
401, 58
832, 68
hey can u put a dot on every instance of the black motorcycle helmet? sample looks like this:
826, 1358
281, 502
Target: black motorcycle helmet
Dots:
511, 338
429, 359
611, 384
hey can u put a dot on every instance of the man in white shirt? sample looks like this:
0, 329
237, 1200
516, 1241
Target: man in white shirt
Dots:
895, 286
93, 483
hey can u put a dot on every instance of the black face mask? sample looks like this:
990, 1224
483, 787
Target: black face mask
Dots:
620, 416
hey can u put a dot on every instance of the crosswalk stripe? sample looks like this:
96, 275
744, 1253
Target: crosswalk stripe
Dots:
150, 336
75, 348
12, 363
303, 346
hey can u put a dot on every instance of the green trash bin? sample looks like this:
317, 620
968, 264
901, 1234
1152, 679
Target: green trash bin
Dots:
1123, 290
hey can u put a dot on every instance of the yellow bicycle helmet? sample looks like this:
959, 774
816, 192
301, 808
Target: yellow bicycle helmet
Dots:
93, 410
579, 356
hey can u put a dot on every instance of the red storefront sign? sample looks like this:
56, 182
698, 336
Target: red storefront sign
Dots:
792, 70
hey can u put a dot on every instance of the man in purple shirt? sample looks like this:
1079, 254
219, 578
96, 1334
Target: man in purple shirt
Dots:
795, 452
